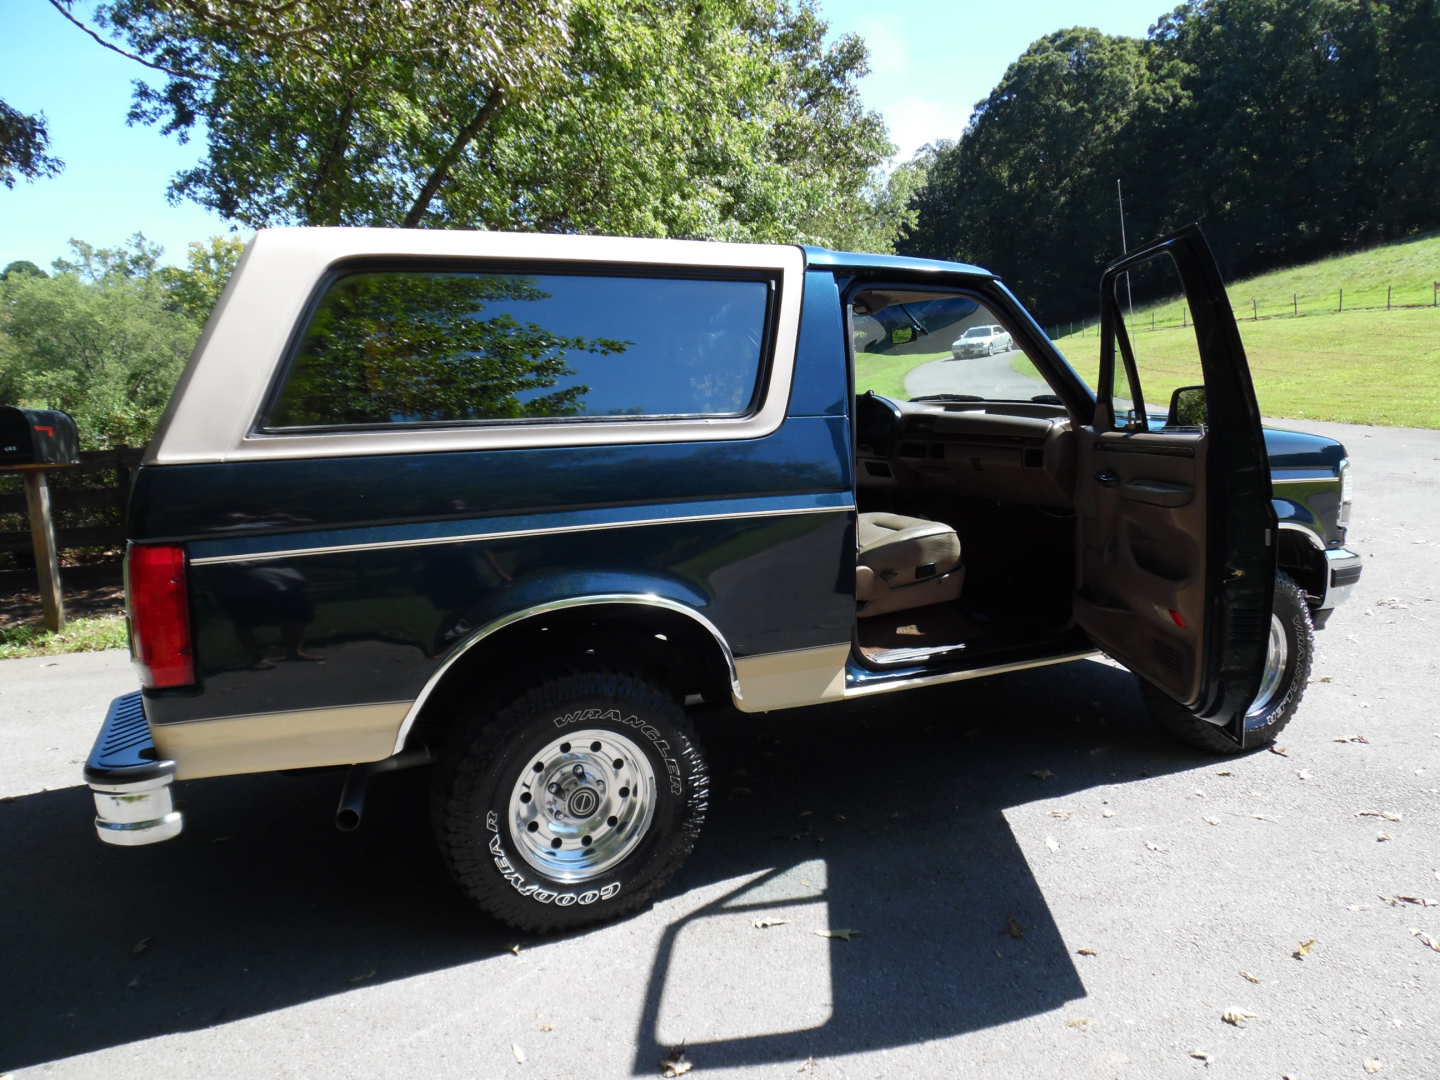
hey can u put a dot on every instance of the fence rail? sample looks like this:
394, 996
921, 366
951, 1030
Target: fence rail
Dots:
1173, 314
88, 502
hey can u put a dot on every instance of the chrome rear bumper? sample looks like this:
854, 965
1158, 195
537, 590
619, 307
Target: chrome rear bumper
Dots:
131, 785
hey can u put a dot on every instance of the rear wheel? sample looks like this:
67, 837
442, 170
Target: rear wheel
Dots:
1287, 671
572, 802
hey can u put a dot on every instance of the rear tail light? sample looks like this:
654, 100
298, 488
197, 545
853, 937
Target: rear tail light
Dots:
159, 615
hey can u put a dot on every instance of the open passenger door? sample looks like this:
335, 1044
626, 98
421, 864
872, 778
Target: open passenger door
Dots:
1175, 554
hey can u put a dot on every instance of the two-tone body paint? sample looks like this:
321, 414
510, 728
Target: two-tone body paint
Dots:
400, 557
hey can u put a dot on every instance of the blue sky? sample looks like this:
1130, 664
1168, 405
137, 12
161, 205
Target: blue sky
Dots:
931, 61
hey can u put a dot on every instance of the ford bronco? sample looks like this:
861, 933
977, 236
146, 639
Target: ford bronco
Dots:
510, 506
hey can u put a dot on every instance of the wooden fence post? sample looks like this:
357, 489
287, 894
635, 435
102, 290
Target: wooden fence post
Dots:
1388, 290
42, 536
1342, 299
1295, 304
1254, 310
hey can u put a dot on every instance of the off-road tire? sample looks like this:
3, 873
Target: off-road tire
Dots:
1265, 725
475, 780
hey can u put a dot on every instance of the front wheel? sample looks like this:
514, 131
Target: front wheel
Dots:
573, 802
1287, 671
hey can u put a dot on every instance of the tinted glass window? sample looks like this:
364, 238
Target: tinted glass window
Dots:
408, 347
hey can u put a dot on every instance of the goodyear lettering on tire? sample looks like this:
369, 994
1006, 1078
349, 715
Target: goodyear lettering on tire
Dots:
532, 889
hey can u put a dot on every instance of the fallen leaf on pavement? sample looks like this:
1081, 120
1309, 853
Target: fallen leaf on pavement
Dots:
766, 924
1013, 927
1081, 1022
1224, 772
1422, 901
1382, 837
1107, 812
547, 1027
1388, 815
1373, 1065
1087, 952
515, 950
1237, 1017
675, 1063
1200, 1055
1303, 774
1281, 750
519, 1053
1306, 948
1426, 940
1211, 820
1352, 738
1153, 846
1063, 815
839, 935
1052, 843
808, 1066
1042, 774
1248, 977
1324, 678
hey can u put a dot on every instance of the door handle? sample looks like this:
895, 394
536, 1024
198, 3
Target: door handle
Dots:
1108, 478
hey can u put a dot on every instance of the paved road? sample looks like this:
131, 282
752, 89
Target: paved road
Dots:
262, 943
985, 376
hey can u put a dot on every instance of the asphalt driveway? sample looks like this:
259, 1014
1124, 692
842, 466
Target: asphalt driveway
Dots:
1042, 886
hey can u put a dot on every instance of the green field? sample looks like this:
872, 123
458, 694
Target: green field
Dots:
1359, 366
1363, 367
886, 374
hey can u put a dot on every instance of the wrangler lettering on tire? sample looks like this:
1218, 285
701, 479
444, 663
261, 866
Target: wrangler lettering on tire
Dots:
571, 800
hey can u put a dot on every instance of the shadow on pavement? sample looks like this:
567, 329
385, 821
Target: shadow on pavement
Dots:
261, 905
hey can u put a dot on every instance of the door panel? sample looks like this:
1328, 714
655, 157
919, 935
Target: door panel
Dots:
1175, 559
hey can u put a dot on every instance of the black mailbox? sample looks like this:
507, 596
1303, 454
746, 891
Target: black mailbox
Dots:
37, 438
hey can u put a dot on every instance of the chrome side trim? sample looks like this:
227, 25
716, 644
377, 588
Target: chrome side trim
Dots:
1309, 534
640, 599
973, 673
511, 534
1328, 478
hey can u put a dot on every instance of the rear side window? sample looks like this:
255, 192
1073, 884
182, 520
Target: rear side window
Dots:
403, 347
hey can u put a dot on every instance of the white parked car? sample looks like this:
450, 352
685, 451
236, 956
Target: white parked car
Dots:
983, 340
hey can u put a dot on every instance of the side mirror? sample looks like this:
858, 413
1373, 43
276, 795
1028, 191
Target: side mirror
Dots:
902, 335
1187, 407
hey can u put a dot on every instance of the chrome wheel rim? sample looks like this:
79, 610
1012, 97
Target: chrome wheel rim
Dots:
582, 804
1277, 654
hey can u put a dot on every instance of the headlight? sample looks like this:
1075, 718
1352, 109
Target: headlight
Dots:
1343, 519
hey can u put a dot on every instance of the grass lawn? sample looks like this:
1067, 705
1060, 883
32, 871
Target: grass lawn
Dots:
80, 635
886, 374
1360, 367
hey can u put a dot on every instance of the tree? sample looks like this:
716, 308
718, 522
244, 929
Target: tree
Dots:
22, 268
209, 265
389, 348
700, 118
24, 140
101, 339
1024, 189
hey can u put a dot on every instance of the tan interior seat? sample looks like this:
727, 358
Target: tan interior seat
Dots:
905, 562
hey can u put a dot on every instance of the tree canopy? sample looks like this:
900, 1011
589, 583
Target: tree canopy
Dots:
106, 335
24, 140
695, 118
1289, 128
